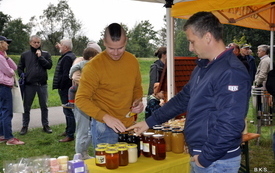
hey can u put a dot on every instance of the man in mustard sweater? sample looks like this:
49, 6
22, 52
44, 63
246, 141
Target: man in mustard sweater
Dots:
110, 87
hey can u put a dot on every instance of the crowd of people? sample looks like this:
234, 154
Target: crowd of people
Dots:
99, 89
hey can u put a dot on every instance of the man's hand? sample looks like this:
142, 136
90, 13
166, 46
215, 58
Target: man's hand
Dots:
38, 53
139, 127
195, 159
137, 106
114, 123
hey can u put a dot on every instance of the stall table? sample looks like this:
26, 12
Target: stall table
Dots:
173, 163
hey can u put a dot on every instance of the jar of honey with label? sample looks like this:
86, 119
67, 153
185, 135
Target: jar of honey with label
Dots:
147, 144
158, 147
100, 159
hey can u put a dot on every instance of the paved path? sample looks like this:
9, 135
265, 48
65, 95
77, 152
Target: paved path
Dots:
56, 117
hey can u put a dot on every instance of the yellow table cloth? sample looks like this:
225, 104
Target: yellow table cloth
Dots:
172, 164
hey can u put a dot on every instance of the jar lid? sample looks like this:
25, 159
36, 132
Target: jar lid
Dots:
100, 148
112, 146
122, 148
111, 150
102, 145
121, 144
148, 133
158, 136
132, 145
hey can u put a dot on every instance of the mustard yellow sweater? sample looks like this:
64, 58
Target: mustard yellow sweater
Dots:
109, 87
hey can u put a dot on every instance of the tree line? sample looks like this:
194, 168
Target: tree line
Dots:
59, 21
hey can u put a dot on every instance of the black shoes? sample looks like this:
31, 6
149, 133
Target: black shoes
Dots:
47, 129
24, 130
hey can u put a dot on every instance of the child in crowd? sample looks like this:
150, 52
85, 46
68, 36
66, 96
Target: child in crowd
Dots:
155, 101
88, 54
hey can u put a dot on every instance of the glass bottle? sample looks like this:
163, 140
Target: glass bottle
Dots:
147, 142
123, 155
132, 153
112, 158
122, 137
100, 159
177, 139
133, 138
167, 133
158, 147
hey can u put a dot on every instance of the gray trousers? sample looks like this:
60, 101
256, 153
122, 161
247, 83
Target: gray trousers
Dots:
83, 137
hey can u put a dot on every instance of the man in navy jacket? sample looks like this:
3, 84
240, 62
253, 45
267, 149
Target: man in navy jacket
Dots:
215, 99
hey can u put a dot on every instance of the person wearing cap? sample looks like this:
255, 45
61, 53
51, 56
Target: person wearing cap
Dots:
110, 87
34, 63
62, 83
264, 65
246, 53
7, 73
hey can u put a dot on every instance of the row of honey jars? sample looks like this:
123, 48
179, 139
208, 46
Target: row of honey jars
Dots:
113, 155
130, 137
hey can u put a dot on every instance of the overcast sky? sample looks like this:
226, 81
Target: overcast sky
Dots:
94, 15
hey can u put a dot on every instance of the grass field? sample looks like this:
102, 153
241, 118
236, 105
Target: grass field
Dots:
39, 143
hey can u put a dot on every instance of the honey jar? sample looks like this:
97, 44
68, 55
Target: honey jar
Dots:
123, 155
112, 158
147, 144
100, 159
167, 133
158, 147
122, 137
132, 153
177, 139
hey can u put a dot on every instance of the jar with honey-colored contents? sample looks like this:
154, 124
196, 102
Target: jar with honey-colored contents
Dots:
167, 133
157, 129
123, 155
100, 159
158, 147
112, 158
177, 139
147, 144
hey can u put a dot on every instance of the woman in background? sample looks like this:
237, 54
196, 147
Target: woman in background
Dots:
7, 68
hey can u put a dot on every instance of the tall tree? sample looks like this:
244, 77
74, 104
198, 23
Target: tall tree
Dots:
141, 39
58, 22
4, 19
19, 41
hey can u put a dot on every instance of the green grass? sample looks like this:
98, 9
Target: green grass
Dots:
39, 143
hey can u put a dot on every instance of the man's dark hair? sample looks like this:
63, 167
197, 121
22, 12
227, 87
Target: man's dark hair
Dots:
203, 22
115, 31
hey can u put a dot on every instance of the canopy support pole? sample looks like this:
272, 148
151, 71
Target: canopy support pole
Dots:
170, 51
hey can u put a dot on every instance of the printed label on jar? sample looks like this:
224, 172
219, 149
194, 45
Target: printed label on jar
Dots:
146, 147
100, 159
153, 150
141, 145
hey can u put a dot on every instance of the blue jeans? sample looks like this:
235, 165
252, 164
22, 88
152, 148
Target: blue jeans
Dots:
29, 94
101, 133
231, 165
69, 115
83, 136
6, 113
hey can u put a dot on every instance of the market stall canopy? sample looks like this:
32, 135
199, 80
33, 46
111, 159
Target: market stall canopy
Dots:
257, 14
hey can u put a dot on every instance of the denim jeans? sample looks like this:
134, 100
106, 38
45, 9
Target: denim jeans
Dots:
83, 136
6, 113
101, 133
231, 165
69, 115
29, 94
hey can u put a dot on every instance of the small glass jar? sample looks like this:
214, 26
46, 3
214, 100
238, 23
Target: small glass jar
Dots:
123, 155
132, 153
112, 158
167, 133
100, 159
122, 137
157, 129
177, 139
147, 144
158, 147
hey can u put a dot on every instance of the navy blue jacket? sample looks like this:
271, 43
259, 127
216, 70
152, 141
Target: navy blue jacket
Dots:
216, 100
